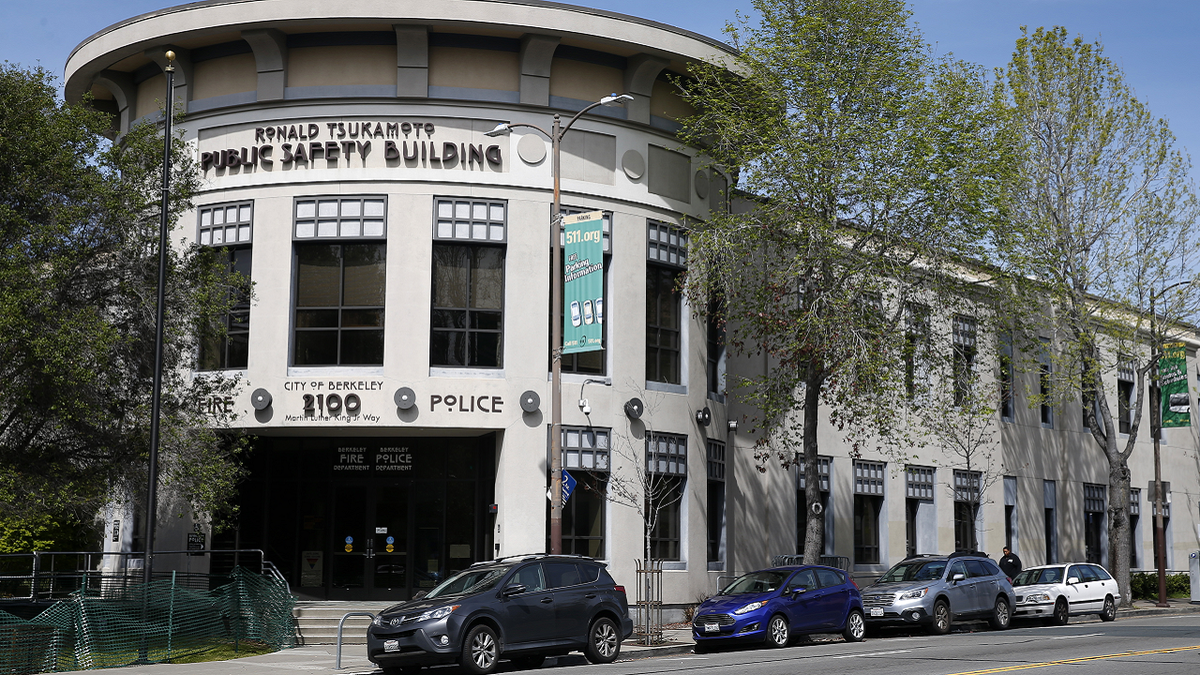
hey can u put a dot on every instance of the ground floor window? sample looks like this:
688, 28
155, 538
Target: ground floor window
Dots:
716, 501
1093, 522
966, 509
666, 477
823, 467
665, 534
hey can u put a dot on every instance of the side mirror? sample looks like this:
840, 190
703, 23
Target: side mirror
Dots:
420, 594
1071, 581
798, 590
958, 577
512, 589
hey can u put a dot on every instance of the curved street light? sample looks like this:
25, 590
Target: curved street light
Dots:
557, 131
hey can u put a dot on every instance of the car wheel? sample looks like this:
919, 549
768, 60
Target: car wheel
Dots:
529, 662
856, 627
1001, 614
1109, 613
941, 618
777, 631
480, 651
603, 643
1062, 613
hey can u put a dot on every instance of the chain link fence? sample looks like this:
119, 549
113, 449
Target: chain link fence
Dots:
127, 624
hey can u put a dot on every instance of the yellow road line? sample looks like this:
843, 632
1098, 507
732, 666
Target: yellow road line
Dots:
1082, 659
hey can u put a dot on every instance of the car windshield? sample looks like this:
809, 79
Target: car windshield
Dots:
756, 582
469, 581
916, 570
1045, 575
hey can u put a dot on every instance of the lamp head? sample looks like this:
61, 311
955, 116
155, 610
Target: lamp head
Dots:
502, 129
613, 100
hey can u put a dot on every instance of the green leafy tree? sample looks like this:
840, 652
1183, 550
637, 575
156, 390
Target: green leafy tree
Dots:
873, 167
1109, 212
78, 276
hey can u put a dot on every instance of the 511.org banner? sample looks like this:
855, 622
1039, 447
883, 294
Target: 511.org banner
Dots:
1173, 381
583, 282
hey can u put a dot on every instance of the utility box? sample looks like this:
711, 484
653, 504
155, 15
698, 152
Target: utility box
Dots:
1194, 575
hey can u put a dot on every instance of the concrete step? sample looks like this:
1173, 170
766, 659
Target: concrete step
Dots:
317, 622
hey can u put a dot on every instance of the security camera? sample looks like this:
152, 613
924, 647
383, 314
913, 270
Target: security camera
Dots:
583, 405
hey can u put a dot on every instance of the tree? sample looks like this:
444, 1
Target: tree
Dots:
1109, 248
78, 272
874, 167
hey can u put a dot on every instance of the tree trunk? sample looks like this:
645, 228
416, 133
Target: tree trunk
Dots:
1119, 532
814, 537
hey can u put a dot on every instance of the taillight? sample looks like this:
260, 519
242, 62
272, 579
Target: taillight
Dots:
619, 589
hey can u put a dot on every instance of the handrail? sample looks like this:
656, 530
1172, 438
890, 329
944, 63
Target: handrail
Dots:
337, 662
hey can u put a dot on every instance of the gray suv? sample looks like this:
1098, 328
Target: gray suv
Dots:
936, 590
524, 608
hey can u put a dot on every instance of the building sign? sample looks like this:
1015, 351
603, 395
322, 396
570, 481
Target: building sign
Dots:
195, 542
361, 143
583, 282
312, 569
331, 400
386, 459
1173, 383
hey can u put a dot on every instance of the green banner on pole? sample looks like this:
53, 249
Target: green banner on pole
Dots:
1173, 383
583, 282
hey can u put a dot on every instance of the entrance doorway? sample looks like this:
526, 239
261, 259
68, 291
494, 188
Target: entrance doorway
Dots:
369, 519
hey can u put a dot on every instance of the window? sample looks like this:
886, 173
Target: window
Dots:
1093, 522
716, 501
667, 258
916, 349
1135, 532
1045, 371
467, 323
869, 480
339, 283
1006, 379
593, 362
1010, 512
966, 509
230, 227
1125, 388
963, 365
1166, 513
1051, 521
585, 453
666, 463
715, 369
823, 467
920, 520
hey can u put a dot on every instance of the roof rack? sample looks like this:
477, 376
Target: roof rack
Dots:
975, 554
531, 556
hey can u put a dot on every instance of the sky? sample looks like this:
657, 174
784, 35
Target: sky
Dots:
1154, 41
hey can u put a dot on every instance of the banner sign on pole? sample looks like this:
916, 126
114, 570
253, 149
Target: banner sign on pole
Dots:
1173, 385
583, 282
568, 486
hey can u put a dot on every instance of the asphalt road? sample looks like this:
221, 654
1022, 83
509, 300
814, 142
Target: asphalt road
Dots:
1163, 645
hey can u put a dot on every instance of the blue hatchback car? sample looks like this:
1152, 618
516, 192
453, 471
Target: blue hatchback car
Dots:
776, 604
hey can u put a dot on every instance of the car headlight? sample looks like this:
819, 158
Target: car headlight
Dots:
439, 613
750, 607
912, 595
1037, 597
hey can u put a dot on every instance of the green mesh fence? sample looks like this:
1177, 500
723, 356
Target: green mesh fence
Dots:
153, 623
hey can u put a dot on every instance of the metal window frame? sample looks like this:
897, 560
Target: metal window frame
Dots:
919, 481
967, 485
339, 219
666, 454
595, 457
870, 478
205, 232
716, 460
471, 222
824, 464
666, 244
340, 307
1093, 498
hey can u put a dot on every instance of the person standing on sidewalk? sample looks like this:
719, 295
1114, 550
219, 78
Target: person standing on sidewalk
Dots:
1010, 564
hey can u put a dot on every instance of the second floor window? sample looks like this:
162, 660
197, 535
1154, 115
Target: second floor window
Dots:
467, 320
229, 229
667, 258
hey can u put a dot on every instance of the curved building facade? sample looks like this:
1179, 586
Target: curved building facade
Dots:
401, 265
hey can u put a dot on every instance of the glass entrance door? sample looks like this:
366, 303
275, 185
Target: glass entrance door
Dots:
390, 564
370, 541
350, 546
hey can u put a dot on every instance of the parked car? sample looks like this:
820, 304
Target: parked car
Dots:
937, 590
777, 604
523, 608
1057, 592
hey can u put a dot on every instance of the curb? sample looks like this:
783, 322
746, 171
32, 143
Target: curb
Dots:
651, 652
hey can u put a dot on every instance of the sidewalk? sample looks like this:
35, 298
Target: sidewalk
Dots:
320, 659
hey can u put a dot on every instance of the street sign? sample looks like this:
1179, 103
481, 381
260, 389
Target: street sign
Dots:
568, 485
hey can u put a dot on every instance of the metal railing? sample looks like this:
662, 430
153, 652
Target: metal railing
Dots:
337, 662
54, 575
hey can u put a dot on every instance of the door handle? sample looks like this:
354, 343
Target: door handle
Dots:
546, 601
589, 596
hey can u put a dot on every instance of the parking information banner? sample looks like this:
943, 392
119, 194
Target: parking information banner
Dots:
583, 282
1173, 381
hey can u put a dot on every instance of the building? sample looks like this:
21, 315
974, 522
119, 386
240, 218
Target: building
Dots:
396, 354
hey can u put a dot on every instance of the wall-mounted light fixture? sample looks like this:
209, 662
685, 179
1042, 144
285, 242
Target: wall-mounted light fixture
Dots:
733, 426
704, 416
260, 399
634, 408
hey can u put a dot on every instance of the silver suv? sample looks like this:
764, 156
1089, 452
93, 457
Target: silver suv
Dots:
936, 590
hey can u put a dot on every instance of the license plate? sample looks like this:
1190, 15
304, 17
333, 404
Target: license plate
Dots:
391, 645
876, 611
712, 628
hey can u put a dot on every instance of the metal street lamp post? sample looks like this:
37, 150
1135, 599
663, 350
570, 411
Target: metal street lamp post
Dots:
156, 396
1160, 546
557, 131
